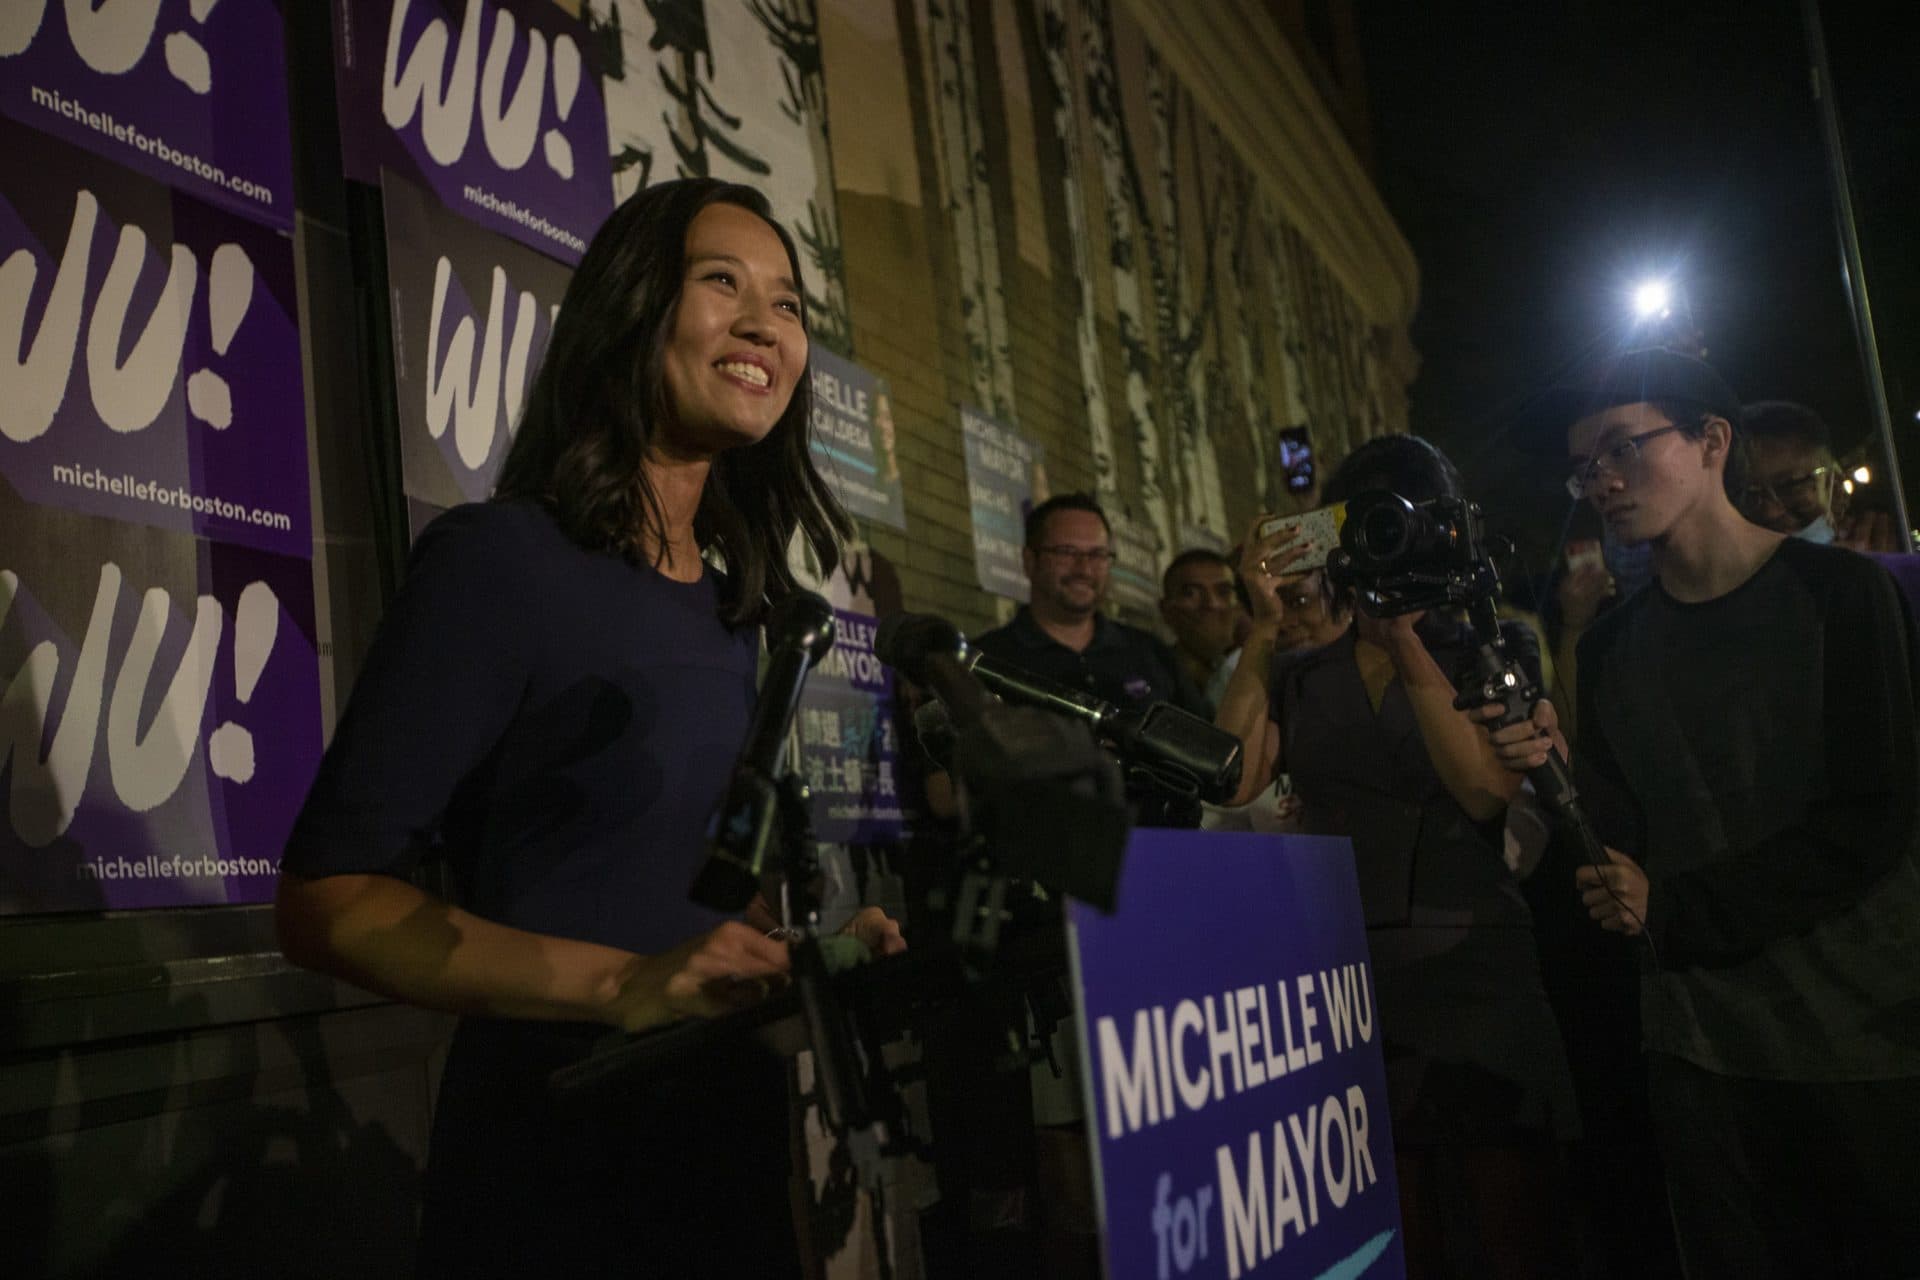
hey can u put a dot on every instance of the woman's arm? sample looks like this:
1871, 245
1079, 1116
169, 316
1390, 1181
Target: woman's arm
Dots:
1461, 752
1246, 711
1246, 708
384, 934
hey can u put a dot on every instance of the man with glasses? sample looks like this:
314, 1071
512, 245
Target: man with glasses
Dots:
1748, 742
1061, 632
1792, 475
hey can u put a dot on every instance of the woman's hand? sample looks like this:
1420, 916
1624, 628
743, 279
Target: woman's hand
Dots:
878, 930
1616, 896
1523, 747
1263, 567
727, 968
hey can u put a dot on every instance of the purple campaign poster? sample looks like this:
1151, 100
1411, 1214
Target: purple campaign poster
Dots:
164, 719
1237, 1091
492, 105
848, 750
472, 312
149, 353
191, 93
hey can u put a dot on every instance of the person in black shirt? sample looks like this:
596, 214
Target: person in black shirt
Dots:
554, 700
1200, 603
1748, 746
1061, 632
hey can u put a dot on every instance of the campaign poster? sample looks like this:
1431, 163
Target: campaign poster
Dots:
848, 744
190, 93
1135, 583
848, 748
1001, 467
161, 722
472, 313
492, 105
1237, 1094
149, 353
854, 443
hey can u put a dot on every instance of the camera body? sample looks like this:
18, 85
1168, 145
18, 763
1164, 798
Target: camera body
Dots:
1400, 556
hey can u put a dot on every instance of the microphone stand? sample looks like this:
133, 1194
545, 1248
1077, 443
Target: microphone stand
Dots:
841, 1066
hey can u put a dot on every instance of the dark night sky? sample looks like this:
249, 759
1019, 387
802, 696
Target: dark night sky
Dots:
1541, 157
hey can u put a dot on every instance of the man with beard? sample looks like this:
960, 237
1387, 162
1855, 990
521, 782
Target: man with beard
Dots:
1061, 633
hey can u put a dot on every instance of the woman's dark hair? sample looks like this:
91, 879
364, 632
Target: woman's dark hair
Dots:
601, 394
1406, 465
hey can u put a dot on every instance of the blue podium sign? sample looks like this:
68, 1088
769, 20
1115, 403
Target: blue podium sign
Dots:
1237, 1093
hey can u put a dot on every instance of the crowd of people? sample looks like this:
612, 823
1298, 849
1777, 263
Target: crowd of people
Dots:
1742, 725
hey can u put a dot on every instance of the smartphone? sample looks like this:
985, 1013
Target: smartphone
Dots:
1318, 531
1584, 554
1296, 458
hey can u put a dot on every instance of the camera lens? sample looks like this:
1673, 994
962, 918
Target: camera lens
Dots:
1382, 534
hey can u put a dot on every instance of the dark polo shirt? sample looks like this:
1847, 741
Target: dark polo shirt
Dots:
1124, 665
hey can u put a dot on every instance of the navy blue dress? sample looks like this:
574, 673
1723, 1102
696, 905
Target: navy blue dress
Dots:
558, 724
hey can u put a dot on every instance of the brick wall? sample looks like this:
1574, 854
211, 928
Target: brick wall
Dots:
904, 279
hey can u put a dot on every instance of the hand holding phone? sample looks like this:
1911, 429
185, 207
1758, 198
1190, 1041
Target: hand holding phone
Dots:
1313, 533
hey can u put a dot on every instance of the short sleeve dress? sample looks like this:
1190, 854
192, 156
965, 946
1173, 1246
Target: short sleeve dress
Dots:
558, 724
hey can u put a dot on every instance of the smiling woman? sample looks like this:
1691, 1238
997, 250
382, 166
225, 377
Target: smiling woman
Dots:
688, 343
553, 704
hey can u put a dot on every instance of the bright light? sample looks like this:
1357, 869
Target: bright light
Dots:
1650, 299
1847, 485
1863, 475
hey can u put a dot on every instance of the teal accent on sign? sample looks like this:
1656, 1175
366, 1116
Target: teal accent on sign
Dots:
1356, 1263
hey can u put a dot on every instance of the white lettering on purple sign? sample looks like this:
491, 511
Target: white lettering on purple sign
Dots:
112, 37
1177, 1058
445, 98
128, 395
147, 770
474, 397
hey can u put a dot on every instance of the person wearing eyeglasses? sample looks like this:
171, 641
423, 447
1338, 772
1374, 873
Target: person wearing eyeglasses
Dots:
1792, 476
1749, 748
1061, 632
1794, 482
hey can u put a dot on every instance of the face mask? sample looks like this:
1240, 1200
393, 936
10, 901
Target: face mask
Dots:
1820, 531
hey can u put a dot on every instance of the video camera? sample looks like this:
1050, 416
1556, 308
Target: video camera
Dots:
1399, 556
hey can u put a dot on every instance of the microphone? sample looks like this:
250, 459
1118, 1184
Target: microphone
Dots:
1017, 684
1171, 744
800, 632
931, 651
1043, 798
